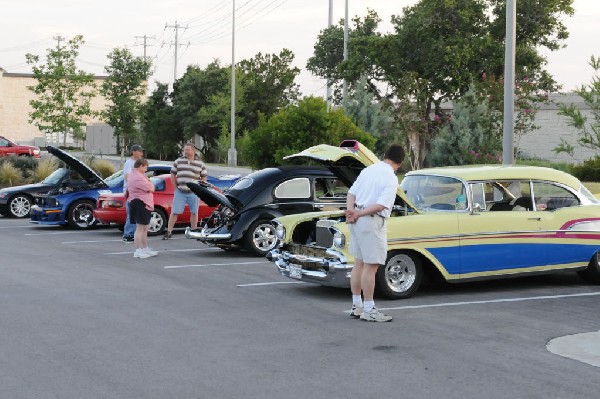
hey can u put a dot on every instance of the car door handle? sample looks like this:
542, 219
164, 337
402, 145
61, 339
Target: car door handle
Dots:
538, 219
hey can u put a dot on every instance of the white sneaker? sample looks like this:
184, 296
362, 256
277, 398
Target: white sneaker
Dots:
140, 253
375, 315
356, 311
149, 251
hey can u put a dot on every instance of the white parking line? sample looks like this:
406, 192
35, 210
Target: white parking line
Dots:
533, 298
90, 241
166, 250
271, 283
217, 264
53, 233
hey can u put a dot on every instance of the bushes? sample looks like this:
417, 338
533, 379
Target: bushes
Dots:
10, 175
103, 167
43, 169
589, 170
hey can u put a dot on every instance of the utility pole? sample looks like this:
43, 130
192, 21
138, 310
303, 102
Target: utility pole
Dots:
345, 88
329, 24
176, 27
232, 153
508, 131
58, 39
145, 37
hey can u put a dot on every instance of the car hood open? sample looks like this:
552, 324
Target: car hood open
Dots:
210, 196
75, 164
345, 161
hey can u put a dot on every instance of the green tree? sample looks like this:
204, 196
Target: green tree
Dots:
268, 86
296, 128
162, 133
437, 50
63, 92
193, 92
371, 115
467, 138
589, 130
124, 90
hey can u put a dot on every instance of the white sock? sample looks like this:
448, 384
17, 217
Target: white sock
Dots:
369, 305
357, 301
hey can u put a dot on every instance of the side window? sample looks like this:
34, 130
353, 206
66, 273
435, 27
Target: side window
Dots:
159, 184
510, 195
329, 188
549, 197
293, 188
3, 143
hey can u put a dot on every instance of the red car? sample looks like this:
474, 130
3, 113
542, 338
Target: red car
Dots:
110, 208
8, 148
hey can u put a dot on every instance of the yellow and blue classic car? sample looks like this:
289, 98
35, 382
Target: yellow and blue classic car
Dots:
459, 223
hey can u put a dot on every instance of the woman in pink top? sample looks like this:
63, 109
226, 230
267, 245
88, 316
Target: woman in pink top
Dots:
141, 202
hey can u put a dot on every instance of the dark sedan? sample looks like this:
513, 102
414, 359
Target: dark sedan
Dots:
244, 213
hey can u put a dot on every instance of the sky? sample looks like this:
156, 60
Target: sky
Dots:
205, 27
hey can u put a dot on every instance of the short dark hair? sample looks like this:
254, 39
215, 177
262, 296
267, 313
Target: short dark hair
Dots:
395, 153
140, 162
136, 147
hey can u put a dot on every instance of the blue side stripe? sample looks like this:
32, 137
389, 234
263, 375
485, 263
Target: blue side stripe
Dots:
493, 257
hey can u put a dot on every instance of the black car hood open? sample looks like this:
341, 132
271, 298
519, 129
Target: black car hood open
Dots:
211, 197
75, 164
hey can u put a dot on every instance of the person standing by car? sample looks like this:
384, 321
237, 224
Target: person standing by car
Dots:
369, 205
186, 169
140, 191
137, 152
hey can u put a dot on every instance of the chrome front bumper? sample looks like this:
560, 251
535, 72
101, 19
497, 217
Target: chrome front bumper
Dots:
331, 272
203, 235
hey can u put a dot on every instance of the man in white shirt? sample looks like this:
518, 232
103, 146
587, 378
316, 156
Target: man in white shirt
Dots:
369, 205
136, 153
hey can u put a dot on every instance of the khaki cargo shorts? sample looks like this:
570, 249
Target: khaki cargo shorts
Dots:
368, 239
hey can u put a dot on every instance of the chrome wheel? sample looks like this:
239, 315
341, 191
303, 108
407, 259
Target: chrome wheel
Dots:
81, 215
19, 206
401, 275
158, 223
261, 238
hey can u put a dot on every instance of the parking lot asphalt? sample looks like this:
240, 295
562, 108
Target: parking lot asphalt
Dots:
80, 317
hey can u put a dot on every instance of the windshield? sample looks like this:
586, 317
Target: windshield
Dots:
435, 193
56, 176
115, 180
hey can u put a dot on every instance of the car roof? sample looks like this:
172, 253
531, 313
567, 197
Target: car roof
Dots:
502, 172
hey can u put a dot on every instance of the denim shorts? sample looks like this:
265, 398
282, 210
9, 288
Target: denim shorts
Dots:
181, 198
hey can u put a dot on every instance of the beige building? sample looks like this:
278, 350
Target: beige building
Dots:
15, 110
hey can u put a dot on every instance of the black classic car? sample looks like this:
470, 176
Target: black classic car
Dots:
245, 211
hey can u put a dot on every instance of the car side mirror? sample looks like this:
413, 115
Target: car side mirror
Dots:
476, 208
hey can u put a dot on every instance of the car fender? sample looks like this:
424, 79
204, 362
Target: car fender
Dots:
246, 219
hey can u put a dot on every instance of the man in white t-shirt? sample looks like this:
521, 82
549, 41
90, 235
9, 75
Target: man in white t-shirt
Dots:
369, 205
136, 153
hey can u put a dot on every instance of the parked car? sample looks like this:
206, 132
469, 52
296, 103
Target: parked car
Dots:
244, 213
457, 223
72, 203
110, 208
17, 201
8, 148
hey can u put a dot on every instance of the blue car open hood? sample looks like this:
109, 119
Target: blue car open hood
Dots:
75, 164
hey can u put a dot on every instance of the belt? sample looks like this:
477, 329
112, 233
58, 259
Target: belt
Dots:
372, 215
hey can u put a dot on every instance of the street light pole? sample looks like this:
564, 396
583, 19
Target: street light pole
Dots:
345, 88
232, 153
508, 146
329, 24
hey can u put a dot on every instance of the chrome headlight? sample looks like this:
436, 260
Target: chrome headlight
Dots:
279, 231
339, 239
